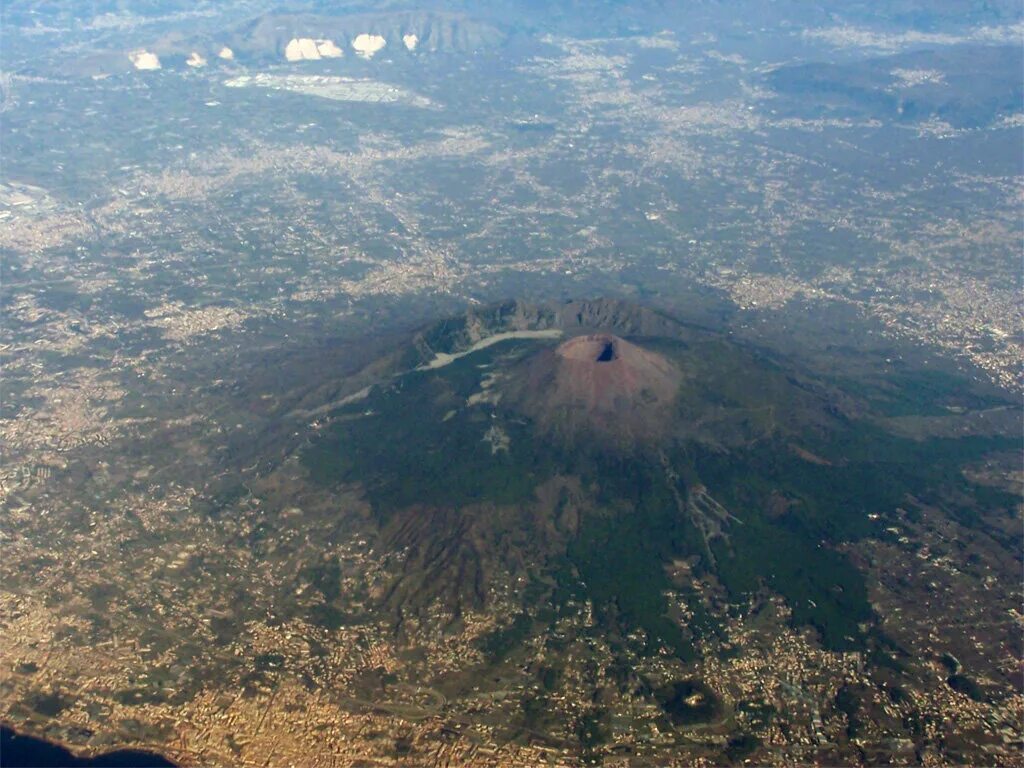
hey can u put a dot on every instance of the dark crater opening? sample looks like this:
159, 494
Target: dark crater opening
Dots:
607, 353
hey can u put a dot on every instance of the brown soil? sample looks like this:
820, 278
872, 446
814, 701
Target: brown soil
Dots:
598, 384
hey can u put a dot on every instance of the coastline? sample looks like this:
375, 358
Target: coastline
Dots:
20, 749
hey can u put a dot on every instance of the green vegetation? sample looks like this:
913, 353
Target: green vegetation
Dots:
330, 617
325, 577
950, 662
49, 704
758, 713
886, 652
792, 549
968, 687
621, 557
853, 700
820, 585
404, 452
269, 661
741, 746
925, 393
689, 702
550, 678
592, 731
498, 644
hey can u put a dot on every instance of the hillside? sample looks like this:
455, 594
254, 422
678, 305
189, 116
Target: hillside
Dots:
613, 436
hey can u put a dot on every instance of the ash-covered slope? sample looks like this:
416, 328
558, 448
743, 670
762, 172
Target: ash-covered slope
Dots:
597, 386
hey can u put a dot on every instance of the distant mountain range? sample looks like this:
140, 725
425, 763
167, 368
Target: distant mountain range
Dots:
278, 37
269, 36
967, 86
115, 36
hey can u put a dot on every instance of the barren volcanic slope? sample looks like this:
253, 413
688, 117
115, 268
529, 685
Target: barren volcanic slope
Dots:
598, 384
597, 481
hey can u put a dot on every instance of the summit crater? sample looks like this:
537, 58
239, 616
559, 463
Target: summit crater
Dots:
597, 385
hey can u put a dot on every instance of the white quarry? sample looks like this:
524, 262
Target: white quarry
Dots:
367, 45
308, 49
226, 53
195, 59
144, 60
328, 50
411, 41
301, 49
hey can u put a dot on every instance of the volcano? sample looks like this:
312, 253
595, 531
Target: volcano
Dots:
597, 384
585, 499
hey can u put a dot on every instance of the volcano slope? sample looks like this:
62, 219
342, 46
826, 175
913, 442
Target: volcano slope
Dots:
597, 387
598, 481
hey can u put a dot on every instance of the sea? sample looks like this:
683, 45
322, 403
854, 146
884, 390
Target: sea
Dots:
18, 751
